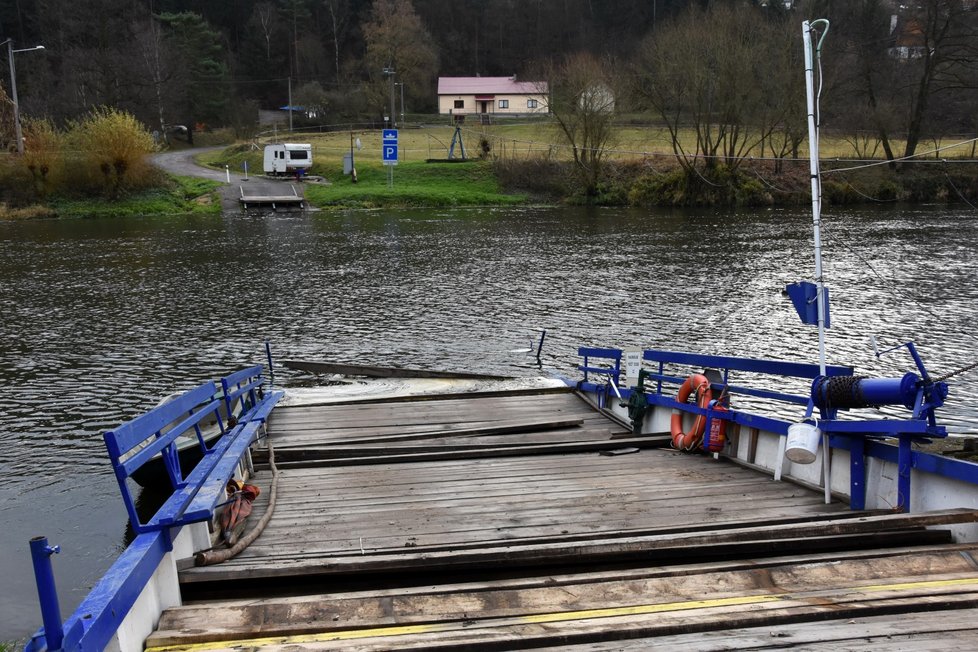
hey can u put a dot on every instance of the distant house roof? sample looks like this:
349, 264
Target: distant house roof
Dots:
488, 86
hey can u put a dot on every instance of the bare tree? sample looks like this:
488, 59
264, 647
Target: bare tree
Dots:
718, 80
582, 96
905, 68
397, 40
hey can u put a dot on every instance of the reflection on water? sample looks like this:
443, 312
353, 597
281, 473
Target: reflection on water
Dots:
101, 318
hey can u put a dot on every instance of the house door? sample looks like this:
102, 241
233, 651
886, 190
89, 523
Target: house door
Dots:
485, 106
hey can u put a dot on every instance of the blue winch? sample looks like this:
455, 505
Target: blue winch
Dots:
845, 392
915, 392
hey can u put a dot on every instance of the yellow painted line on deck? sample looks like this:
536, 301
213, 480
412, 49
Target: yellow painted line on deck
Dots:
556, 617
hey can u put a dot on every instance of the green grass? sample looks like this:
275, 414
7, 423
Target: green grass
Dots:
520, 140
415, 184
185, 195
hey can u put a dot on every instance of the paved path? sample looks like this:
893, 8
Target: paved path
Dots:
181, 162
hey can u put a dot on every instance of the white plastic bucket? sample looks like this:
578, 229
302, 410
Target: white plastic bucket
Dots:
803, 441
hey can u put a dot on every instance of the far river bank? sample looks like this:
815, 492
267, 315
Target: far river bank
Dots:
209, 181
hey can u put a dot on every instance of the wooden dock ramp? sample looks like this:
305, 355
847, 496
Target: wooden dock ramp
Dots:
295, 200
529, 520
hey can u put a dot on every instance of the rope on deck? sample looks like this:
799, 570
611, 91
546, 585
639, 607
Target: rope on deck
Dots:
209, 557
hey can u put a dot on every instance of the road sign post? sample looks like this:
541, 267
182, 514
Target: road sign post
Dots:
389, 154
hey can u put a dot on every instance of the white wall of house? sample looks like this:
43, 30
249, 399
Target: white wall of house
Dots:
504, 104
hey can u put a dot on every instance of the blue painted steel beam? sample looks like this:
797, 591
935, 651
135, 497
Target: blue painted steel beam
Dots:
776, 367
748, 419
595, 352
883, 427
857, 473
609, 371
947, 467
737, 389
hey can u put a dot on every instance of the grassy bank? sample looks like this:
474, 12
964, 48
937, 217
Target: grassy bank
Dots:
180, 195
510, 162
515, 161
415, 184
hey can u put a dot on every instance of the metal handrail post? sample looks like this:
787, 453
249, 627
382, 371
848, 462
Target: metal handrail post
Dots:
47, 593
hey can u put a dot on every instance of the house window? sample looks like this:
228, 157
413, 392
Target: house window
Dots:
459, 104
531, 104
503, 104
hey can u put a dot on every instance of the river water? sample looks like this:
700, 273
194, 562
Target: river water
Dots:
101, 318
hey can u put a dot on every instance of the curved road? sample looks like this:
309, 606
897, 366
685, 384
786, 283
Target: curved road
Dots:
181, 162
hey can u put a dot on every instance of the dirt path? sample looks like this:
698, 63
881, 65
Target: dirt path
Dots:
182, 163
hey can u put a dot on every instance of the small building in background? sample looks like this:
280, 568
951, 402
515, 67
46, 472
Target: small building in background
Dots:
491, 95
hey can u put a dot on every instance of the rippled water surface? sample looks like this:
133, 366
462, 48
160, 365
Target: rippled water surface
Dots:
100, 318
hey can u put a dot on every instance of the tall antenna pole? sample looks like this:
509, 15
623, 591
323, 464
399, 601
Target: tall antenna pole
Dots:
290, 104
810, 55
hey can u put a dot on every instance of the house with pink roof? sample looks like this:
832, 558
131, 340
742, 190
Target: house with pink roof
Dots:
498, 95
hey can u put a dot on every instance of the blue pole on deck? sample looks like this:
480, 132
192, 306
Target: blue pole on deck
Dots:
47, 593
543, 334
271, 370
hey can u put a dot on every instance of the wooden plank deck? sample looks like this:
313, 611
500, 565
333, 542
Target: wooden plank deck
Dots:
496, 521
293, 200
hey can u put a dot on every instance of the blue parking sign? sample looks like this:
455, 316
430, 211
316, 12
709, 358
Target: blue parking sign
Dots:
390, 146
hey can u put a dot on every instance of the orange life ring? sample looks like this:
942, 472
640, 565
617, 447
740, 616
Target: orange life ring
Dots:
687, 441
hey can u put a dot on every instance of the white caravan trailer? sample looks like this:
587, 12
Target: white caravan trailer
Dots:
286, 158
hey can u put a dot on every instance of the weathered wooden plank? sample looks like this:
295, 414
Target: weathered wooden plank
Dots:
500, 428
440, 405
844, 583
655, 464
556, 506
331, 430
475, 633
646, 547
937, 631
479, 453
423, 398
373, 371
393, 423
485, 497
964, 551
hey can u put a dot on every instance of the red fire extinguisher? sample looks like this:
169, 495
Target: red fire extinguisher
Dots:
716, 437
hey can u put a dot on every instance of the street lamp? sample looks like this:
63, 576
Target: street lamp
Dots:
390, 72
13, 89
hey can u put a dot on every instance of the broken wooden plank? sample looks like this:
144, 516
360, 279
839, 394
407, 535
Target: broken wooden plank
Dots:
373, 371
845, 583
746, 540
322, 458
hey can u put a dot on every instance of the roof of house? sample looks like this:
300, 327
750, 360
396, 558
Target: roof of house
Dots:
488, 85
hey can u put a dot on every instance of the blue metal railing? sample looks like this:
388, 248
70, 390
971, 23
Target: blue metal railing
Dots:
131, 445
856, 436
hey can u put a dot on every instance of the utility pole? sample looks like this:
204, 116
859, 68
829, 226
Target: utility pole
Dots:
390, 72
18, 131
401, 84
290, 104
